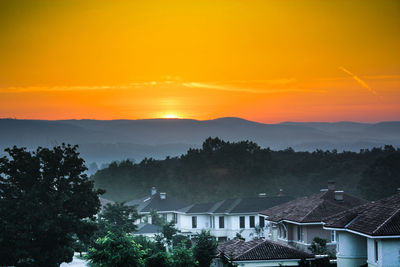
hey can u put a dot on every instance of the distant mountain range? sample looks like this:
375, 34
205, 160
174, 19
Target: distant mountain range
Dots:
105, 141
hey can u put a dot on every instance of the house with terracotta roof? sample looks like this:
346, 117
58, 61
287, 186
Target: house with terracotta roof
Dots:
258, 252
368, 235
299, 221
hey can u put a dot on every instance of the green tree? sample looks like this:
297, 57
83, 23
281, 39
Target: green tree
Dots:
45, 201
156, 219
168, 230
205, 248
318, 246
181, 240
183, 257
116, 249
118, 217
382, 178
159, 259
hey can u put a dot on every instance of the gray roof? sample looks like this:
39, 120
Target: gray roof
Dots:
145, 204
377, 218
259, 249
238, 205
147, 228
312, 208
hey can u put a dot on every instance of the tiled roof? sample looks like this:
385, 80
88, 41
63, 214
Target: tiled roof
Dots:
154, 202
377, 218
238, 205
226, 205
312, 208
257, 204
201, 207
239, 250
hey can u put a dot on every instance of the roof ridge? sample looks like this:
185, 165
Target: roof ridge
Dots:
388, 219
308, 213
233, 205
216, 206
252, 247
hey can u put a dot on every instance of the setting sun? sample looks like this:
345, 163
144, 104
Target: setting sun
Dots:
170, 116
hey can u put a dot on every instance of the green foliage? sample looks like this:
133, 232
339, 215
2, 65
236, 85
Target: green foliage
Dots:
183, 257
156, 219
118, 217
318, 246
160, 242
116, 250
239, 236
241, 169
205, 248
382, 178
168, 231
181, 240
160, 259
46, 204
148, 245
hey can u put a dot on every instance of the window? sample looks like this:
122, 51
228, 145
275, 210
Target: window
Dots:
194, 221
300, 233
222, 239
333, 236
212, 222
376, 251
282, 231
241, 221
221, 222
252, 221
261, 221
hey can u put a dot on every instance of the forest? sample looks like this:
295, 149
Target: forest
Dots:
221, 169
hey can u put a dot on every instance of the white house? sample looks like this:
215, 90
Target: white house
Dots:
166, 206
227, 218
368, 235
224, 219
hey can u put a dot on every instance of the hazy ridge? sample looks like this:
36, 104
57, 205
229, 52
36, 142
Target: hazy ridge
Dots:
103, 141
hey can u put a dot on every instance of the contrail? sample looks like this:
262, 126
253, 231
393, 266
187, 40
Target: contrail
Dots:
361, 82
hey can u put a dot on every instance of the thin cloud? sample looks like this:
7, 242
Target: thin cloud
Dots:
357, 79
228, 86
246, 90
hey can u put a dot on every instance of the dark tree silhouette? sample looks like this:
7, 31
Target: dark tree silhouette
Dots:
45, 201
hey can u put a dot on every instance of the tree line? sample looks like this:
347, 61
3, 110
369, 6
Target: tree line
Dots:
237, 169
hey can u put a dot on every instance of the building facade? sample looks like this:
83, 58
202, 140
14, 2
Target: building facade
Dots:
299, 221
368, 234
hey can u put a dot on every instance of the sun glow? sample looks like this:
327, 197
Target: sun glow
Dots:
170, 116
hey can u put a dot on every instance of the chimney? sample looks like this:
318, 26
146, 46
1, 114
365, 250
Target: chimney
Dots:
163, 195
331, 185
339, 195
280, 192
262, 194
153, 191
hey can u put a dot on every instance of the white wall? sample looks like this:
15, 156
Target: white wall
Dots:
388, 252
231, 226
351, 249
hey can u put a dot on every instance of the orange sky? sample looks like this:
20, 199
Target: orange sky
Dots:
268, 61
